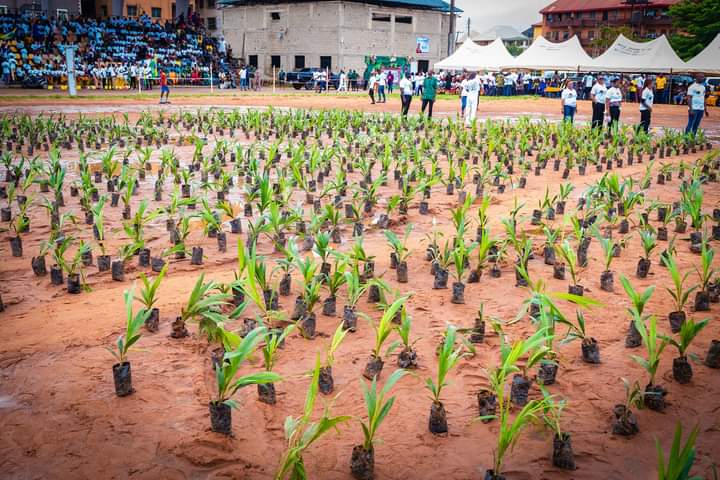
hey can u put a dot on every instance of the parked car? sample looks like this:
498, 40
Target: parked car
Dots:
305, 78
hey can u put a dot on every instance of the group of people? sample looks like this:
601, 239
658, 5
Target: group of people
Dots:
608, 102
111, 53
410, 84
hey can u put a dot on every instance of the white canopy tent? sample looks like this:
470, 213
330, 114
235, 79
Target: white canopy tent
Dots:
707, 61
627, 56
545, 55
471, 56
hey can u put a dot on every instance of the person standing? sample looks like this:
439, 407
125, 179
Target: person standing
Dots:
258, 79
646, 105
342, 86
473, 92
660, 85
164, 88
569, 102
382, 83
597, 94
588, 84
613, 101
429, 92
696, 103
243, 78
406, 93
371, 86
390, 82
463, 95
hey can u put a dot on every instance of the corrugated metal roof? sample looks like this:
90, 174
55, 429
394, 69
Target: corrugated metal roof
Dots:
559, 6
439, 5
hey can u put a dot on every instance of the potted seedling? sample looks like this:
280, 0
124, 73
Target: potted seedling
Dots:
311, 297
649, 242
148, 297
678, 293
589, 346
562, 446
274, 339
625, 423
551, 238
400, 253
440, 266
682, 370
654, 395
607, 281
222, 403
680, 458
333, 282
74, 269
125, 253
448, 358
705, 273
461, 254
639, 300
326, 382
301, 432
204, 307
362, 463
121, 370
569, 256
408, 357
382, 329
355, 290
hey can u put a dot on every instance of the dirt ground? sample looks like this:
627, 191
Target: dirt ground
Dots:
60, 418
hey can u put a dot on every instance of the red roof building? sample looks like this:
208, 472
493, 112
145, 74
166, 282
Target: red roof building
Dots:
585, 18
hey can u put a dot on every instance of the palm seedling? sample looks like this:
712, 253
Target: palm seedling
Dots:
607, 280
648, 239
274, 339
705, 274
682, 370
680, 458
121, 370
576, 331
355, 289
678, 293
148, 297
362, 463
302, 432
639, 300
448, 358
510, 430
654, 345
562, 446
570, 259
204, 307
460, 254
333, 282
74, 268
382, 329
327, 384
400, 252
227, 385
408, 356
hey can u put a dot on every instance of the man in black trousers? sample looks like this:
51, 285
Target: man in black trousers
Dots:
597, 95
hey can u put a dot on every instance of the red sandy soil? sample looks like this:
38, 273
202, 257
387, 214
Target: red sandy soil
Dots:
60, 418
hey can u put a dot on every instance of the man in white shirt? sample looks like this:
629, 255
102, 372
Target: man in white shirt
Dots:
406, 93
473, 92
372, 81
646, 104
463, 95
598, 92
613, 101
587, 84
696, 103
382, 83
343, 82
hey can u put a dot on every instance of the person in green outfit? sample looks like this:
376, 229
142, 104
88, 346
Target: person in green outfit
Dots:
429, 92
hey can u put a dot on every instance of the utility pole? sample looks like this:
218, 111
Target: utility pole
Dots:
451, 35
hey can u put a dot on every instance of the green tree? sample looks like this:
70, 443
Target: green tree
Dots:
699, 22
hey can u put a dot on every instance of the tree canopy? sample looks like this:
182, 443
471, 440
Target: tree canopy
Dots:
699, 22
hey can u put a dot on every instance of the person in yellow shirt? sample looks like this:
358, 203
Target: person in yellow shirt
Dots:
660, 88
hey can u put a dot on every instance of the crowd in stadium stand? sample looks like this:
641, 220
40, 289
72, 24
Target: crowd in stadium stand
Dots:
111, 53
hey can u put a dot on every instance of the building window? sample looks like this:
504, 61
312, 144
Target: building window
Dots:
132, 10
212, 23
547, 35
275, 61
274, 16
61, 14
200, 4
605, 15
591, 34
326, 62
156, 12
3, 9
253, 61
103, 11
380, 17
566, 35
210, 3
403, 19
299, 61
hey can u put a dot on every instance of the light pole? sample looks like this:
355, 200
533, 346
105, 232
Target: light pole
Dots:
70, 67
451, 35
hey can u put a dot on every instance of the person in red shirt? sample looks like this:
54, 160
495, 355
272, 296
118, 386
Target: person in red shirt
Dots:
164, 88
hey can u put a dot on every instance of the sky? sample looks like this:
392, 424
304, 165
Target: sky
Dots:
488, 13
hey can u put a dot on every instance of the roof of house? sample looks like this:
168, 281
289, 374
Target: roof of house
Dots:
559, 6
439, 5
505, 32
